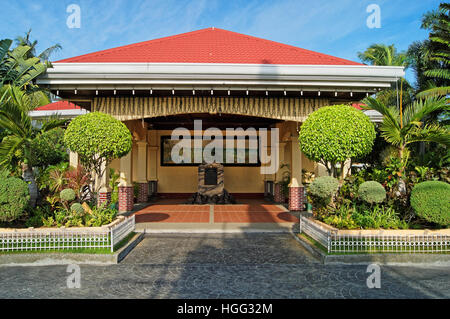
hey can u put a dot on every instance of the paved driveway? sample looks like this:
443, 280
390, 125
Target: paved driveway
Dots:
223, 266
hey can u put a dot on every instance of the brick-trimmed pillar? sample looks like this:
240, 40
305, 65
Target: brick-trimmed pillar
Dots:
142, 196
103, 197
278, 193
126, 198
296, 198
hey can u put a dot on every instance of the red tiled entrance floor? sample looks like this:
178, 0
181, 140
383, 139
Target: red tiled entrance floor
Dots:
250, 212
173, 214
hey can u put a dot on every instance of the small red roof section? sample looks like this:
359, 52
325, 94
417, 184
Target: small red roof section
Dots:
358, 105
58, 106
210, 45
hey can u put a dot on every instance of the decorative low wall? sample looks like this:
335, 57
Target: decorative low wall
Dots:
376, 240
63, 238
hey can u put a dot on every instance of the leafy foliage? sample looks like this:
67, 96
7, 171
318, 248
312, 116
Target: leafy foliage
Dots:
324, 187
372, 192
67, 195
98, 138
14, 197
431, 201
48, 149
336, 133
77, 208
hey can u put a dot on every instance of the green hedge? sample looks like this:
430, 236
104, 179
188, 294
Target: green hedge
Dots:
431, 201
14, 197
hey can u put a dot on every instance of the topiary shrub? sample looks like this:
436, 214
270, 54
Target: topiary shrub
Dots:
324, 187
333, 134
98, 138
431, 201
14, 197
372, 192
77, 208
67, 195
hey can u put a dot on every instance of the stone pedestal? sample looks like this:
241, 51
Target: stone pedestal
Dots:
278, 194
126, 198
211, 186
142, 196
296, 198
104, 198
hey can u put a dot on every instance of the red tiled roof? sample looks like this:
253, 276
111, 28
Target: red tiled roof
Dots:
210, 45
58, 106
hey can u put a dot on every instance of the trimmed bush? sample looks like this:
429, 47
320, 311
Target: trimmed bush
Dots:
77, 208
14, 197
372, 192
336, 133
67, 195
97, 138
324, 187
431, 201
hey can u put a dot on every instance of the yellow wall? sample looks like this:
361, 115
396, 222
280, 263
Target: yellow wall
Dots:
183, 179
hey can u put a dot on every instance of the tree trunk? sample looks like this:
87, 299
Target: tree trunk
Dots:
28, 177
401, 187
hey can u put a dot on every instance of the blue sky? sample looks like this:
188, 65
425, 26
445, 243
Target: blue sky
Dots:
334, 27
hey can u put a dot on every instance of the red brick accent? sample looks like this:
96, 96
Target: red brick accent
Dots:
142, 196
126, 198
296, 198
103, 197
279, 195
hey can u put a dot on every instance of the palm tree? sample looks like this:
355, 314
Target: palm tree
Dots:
438, 22
44, 55
403, 128
381, 54
387, 55
14, 119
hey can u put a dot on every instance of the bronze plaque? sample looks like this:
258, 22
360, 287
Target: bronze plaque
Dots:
210, 176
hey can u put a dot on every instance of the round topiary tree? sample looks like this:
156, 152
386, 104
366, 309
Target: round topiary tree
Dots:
372, 192
67, 195
334, 134
431, 201
98, 138
14, 198
324, 187
77, 208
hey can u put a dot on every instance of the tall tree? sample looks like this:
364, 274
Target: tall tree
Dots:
381, 54
404, 128
438, 22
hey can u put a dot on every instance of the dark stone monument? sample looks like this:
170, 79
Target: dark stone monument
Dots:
211, 186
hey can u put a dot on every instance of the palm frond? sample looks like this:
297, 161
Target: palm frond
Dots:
434, 92
429, 133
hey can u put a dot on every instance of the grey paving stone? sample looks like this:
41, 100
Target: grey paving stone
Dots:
223, 266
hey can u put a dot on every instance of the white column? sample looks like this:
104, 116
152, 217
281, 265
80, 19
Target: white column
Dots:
73, 159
